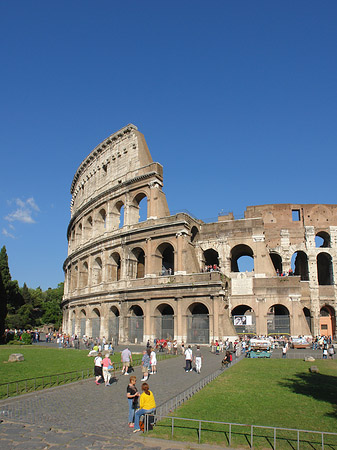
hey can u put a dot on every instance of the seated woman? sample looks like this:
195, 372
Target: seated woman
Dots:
226, 360
147, 405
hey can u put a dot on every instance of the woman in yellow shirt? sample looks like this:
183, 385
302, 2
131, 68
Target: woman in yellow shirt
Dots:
147, 405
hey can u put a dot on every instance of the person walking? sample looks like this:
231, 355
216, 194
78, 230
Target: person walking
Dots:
146, 364
98, 368
153, 362
198, 359
126, 359
106, 364
188, 359
147, 405
132, 396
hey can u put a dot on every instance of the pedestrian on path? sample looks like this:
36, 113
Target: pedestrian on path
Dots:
106, 364
188, 359
146, 364
198, 359
132, 395
126, 359
98, 368
147, 405
153, 362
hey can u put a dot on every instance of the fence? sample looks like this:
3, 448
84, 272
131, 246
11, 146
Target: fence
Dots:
296, 442
14, 388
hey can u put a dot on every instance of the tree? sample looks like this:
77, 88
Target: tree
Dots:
3, 310
14, 297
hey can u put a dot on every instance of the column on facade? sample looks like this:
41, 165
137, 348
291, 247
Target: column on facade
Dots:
152, 208
181, 249
180, 331
149, 262
148, 321
261, 317
105, 321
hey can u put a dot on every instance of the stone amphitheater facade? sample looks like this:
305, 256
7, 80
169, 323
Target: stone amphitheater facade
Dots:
131, 278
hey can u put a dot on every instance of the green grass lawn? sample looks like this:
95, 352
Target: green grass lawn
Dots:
42, 361
274, 392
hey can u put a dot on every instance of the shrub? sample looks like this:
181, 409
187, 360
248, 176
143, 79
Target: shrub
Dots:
26, 338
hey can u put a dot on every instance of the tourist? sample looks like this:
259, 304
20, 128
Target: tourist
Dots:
153, 362
132, 396
98, 368
107, 365
126, 359
146, 364
284, 350
331, 351
147, 405
182, 348
325, 352
188, 359
198, 359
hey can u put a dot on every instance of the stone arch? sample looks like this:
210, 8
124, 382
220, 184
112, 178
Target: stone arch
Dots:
79, 234
136, 324
113, 325
324, 269
165, 255
137, 263
198, 323
95, 323
73, 322
277, 262
84, 274
100, 223
139, 208
211, 258
299, 265
74, 277
242, 258
244, 320
83, 322
307, 315
322, 239
119, 212
114, 267
97, 271
327, 321
278, 320
164, 321
88, 227
194, 234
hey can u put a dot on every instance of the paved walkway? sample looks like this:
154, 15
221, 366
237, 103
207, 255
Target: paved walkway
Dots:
83, 415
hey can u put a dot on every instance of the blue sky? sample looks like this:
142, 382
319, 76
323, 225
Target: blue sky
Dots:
236, 99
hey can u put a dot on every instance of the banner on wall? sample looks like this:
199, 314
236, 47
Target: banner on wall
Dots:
242, 320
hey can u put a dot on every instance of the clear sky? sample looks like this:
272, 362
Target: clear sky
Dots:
236, 99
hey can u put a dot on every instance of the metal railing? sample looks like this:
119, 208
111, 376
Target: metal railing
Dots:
230, 432
14, 388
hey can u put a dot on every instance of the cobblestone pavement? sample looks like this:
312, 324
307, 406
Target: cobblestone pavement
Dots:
83, 415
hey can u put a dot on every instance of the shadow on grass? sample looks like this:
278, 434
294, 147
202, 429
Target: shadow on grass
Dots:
318, 386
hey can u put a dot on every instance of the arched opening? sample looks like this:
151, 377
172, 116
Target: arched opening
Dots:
243, 317
277, 262
74, 277
79, 234
97, 271
88, 228
164, 322
211, 258
101, 219
84, 275
299, 265
198, 324
165, 252
115, 266
113, 330
278, 320
194, 234
242, 258
120, 213
322, 240
83, 322
140, 204
95, 324
324, 269
73, 323
137, 269
307, 315
136, 324
327, 321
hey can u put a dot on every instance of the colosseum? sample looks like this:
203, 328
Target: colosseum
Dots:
135, 272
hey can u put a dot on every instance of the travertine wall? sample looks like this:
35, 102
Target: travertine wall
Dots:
130, 281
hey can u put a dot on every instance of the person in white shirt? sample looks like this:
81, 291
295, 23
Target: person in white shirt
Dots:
98, 368
153, 362
188, 359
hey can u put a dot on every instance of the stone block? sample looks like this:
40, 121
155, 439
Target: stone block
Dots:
313, 369
309, 359
14, 357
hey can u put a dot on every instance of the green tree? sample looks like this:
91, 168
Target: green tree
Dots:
3, 310
14, 297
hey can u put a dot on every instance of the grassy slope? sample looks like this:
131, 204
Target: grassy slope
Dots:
267, 392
